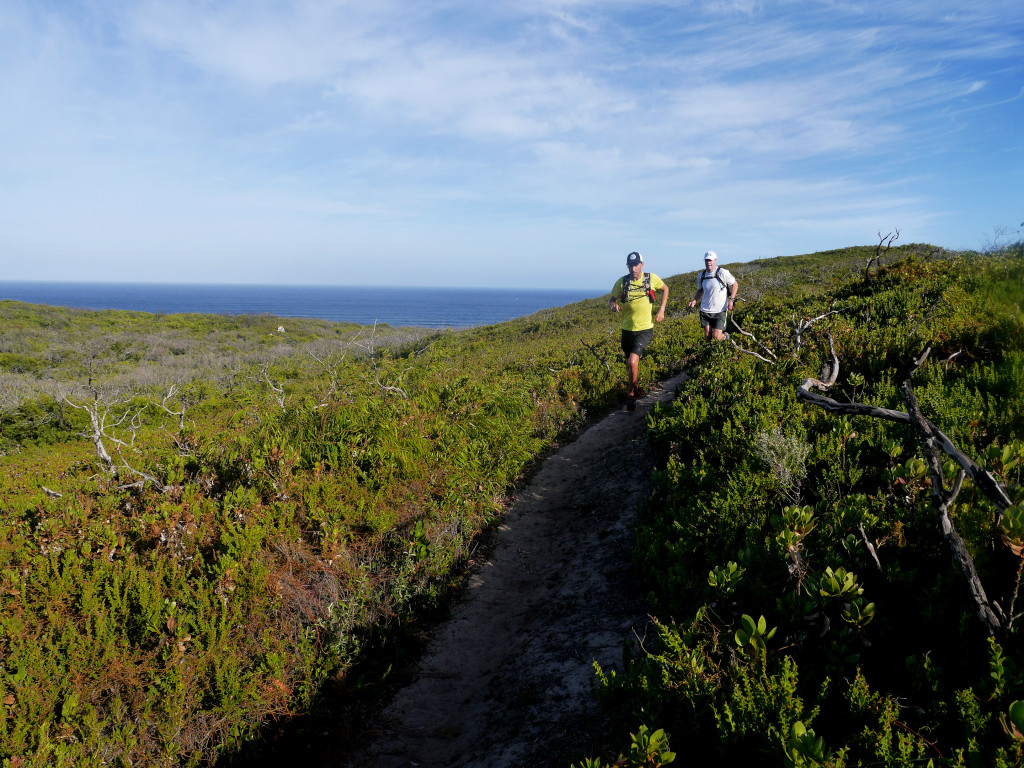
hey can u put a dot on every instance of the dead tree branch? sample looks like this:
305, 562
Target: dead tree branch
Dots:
392, 389
174, 392
870, 547
801, 326
935, 443
750, 352
600, 358
100, 410
330, 360
145, 477
884, 244
1013, 595
107, 414
759, 343
277, 389
949, 360
983, 479
369, 346
943, 500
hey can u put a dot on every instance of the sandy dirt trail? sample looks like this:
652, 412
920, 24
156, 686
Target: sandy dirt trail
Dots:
508, 680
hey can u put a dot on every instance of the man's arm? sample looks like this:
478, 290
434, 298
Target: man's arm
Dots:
664, 302
732, 292
696, 297
613, 303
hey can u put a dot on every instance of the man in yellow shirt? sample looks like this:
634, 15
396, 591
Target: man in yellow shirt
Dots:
633, 297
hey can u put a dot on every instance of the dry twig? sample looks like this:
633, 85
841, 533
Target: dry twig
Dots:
934, 441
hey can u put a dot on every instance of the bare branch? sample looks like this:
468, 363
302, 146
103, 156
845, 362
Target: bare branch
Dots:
104, 419
145, 477
983, 479
884, 244
173, 392
98, 410
944, 499
948, 361
1013, 595
802, 326
600, 358
759, 343
738, 348
330, 360
277, 389
934, 441
870, 547
389, 388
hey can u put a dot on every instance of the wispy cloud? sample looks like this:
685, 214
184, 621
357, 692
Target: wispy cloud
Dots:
262, 124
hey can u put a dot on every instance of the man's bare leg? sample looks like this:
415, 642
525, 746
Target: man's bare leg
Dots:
633, 365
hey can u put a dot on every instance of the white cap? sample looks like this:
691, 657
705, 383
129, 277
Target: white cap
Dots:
710, 255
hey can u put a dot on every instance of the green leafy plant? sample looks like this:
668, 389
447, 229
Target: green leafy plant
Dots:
1011, 527
804, 748
752, 636
725, 578
647, 749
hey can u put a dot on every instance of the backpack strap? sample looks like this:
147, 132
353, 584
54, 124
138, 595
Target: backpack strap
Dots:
704, 276
626, 283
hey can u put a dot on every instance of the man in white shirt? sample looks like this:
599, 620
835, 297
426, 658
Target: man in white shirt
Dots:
716, 292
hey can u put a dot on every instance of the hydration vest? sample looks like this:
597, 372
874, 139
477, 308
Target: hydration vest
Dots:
647, 288
704, 275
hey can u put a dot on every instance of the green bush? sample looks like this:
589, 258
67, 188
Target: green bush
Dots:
824, 527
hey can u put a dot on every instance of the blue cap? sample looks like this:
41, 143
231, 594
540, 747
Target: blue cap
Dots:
633, 259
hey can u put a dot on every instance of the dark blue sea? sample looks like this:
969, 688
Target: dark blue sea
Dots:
422, 307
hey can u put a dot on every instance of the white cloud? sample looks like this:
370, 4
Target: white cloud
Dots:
229, 126
264, 43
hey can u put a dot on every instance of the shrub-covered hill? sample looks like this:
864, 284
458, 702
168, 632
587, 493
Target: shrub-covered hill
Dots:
203, 520
834, 546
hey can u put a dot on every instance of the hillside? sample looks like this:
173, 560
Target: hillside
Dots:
251, 516
833, 541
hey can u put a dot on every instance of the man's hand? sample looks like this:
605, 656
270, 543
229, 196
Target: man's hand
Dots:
692, 304
660, 317
613, 306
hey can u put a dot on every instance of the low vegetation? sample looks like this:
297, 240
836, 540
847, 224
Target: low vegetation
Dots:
834, 545
204, 521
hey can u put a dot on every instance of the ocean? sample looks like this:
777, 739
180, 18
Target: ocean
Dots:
421, 307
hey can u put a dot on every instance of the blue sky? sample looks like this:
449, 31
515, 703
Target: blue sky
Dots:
519, 143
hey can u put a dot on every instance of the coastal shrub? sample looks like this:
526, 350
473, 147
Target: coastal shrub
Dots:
866, 651
283, 502
287, 502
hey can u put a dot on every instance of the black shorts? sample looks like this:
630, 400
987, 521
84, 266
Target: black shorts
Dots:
635, 342
715, 319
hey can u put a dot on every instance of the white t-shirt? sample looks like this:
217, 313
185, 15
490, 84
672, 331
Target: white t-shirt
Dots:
715, 294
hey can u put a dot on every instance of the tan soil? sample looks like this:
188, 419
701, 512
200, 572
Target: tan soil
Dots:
508, 680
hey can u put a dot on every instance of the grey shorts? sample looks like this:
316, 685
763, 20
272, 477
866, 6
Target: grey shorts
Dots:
635, 342
715, 319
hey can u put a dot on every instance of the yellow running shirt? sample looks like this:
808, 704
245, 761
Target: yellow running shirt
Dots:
638, 312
